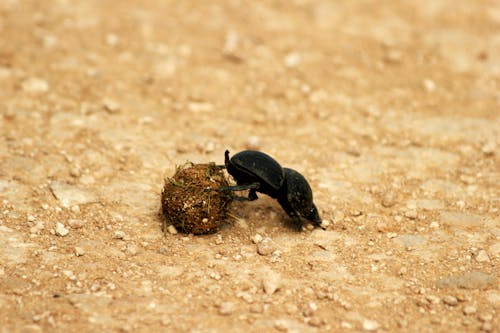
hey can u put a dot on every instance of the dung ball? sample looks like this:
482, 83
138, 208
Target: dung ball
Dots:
191, 199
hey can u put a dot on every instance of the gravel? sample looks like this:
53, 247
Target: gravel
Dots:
226, 308
79, 251
271, 282
61, 230
370, 325
450, 300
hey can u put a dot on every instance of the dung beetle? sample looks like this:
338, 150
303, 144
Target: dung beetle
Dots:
258, 172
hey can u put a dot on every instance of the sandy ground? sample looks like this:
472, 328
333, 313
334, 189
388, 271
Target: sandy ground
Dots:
389, 108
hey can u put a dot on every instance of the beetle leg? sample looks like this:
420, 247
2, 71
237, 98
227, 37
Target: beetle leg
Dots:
297, 223
238, 198
252, 195
253, 187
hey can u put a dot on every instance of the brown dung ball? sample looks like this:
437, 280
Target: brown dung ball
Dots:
191, 200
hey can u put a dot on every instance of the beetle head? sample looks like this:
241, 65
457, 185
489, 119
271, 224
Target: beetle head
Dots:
314, 216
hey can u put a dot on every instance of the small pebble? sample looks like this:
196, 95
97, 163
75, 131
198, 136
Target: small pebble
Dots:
389, 200
132, 249
346, 325
265, 248
35, 85
75, 209
487, 327
316, 322
271, 282
469, 310
162, 250
119, 235
76, 224
450, 300
79, 251
485, 317
434, 225
429, 85
111, 39
411, 214
432, 299
171, 230
110, 105
253, 143
292, 60
281, 325
219, 240
488, 148
482, 256
257, 238
39, 226
370, 325
393, 57
61, 230
226, 308
324, 224
74, 171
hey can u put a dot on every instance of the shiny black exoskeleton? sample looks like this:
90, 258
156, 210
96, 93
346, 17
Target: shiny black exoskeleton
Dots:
258, 172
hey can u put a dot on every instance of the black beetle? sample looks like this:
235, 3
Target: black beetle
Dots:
259, 172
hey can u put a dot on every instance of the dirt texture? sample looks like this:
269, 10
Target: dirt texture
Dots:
390, 109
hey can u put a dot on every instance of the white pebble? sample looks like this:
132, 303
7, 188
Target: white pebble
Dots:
346, 325
119, 234
35, 85
281, 325
226, 308
482, 256
450, 300
429, 85
37, 227
485, 317
76, 224
132, 249
432, 299
265, 248
253, 142
257, 238
79, 251
110, 104
61, 230
271, 282
488, 148
411, 214
172, 230
111, 39
370, 325
434, 225
292, 60
230, 43
486, 326
469, 310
